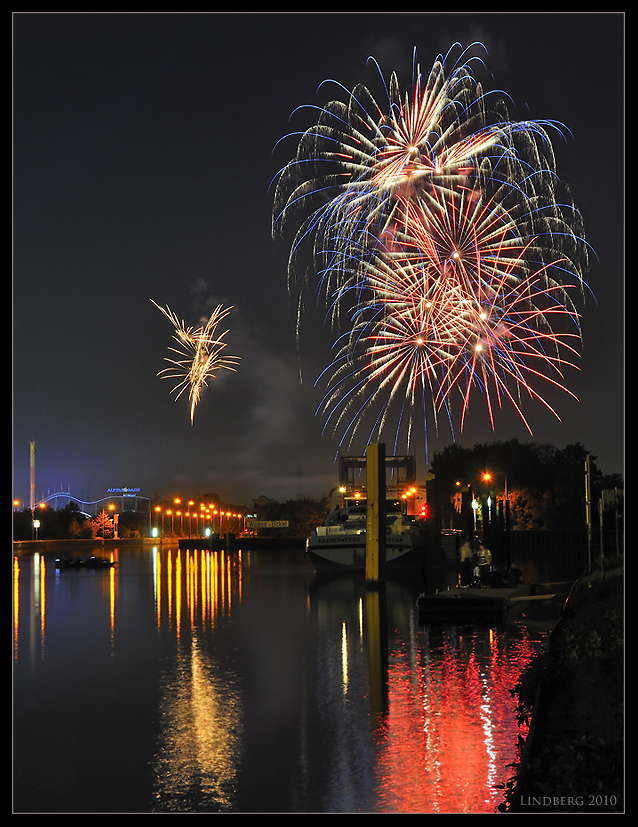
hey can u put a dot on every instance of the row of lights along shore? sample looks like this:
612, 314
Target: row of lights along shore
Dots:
207, 518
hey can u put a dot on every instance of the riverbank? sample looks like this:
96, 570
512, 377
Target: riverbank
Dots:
572, 695
109, 542
229, 542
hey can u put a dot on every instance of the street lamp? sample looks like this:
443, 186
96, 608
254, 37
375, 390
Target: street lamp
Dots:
342, 490
488, 476
504, 516
475, 506
115, 521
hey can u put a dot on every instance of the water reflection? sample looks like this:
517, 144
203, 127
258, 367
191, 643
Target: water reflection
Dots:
199, 740
200, 715
448, 736
34, 576
195, 587
440, 733
245, 683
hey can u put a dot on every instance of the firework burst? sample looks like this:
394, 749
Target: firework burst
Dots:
200, 354
446, 257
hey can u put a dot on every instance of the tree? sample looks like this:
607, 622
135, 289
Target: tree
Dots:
79, 530
102, 526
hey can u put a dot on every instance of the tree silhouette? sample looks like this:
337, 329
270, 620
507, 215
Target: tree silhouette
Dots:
545, 485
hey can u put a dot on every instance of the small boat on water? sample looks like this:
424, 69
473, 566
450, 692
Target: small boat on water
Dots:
340, 543
83, 563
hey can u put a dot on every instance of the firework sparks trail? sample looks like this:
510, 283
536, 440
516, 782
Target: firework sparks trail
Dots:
201, 351
444, 252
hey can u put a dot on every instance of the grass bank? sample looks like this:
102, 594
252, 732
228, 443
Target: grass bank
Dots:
572, 697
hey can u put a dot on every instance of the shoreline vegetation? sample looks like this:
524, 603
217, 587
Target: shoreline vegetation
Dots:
572, 698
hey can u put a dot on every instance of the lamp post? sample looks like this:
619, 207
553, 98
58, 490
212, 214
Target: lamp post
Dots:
488, 476
115, 520
342, 490
36, 522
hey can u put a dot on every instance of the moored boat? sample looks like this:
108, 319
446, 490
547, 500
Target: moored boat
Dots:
83, 563
340, 543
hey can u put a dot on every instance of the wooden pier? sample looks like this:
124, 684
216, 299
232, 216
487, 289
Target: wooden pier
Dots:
485, 602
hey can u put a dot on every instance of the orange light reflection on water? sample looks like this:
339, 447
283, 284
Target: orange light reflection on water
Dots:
199, 744
202, 583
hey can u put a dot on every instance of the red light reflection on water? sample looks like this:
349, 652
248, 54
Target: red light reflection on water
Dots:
450, 730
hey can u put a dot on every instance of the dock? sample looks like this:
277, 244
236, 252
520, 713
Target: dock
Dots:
234, 542
485, 602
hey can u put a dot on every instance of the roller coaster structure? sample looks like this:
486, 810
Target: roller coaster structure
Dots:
119, 500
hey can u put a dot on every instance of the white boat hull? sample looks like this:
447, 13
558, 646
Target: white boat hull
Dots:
349, 552
340, 543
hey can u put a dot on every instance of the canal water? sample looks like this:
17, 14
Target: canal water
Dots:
214, 682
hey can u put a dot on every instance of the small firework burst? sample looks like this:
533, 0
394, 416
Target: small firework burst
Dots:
200, 352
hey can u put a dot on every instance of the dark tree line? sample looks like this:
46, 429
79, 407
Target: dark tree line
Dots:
302, 515
545, 485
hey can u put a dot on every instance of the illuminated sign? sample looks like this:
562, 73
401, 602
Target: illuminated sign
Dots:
266, 523
124, 491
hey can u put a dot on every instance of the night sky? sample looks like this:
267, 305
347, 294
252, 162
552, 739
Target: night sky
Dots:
144, 150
